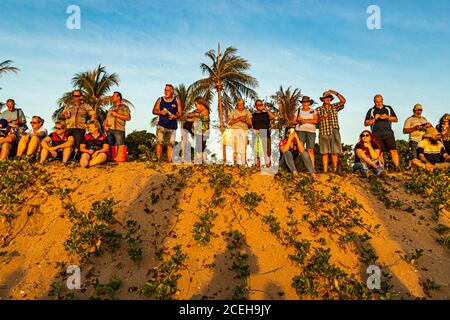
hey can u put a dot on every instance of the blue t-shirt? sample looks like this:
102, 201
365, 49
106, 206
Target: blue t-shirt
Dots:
381, 128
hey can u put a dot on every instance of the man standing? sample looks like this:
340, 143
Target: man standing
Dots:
114, 125
261, 126
168, 108
415, 126
329, 134
380, 118
15, 116
76, 114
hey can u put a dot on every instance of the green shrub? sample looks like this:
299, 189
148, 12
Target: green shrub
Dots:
141, 145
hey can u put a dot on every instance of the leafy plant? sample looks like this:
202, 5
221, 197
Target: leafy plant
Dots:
163, 282
251, 200
91, 231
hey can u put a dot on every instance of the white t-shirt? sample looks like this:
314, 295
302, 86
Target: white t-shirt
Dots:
307, 115
41, 129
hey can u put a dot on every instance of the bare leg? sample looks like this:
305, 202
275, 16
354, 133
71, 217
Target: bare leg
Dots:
33, 146
22, 147
395, 158
44, 155
335, 161
99, 159
325, 162
84, 161
158, 151
418, 164
6, 149
169, 153
66, 154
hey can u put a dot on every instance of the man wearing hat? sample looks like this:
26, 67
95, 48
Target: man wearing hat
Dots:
431, 152
329, 135
305, 125
415, 126
8, 136
380, 118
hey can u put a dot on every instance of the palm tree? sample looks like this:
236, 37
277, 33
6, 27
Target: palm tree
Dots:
6, 67
96, 86
286, 102
228, 78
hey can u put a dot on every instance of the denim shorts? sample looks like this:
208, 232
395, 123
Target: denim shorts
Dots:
308, 138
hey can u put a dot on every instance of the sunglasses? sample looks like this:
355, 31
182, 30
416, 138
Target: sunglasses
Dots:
34, 122
59, 128
365, 135
418, 110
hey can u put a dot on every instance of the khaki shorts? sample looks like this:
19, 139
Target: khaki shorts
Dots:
331, 143
165, 137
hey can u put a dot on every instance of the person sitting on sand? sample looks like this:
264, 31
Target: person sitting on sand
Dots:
240, 121
30, 142
294, 153
444, 129
15, 116
367, 154
431, 152
8, 138
415, 126
168, 108
58, 144
94, 146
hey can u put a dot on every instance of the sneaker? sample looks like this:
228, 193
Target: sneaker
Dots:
363, 173
378, 170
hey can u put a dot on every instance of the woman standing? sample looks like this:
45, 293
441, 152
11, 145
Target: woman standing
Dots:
240, 121
197, 124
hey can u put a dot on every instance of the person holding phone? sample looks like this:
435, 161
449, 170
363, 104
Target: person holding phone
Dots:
293, 154
415, 126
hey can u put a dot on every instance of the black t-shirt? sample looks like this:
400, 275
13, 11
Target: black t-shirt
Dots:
366, 151
94, 143
381, 128
261, 120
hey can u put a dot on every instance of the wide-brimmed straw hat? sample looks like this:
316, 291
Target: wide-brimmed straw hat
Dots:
431, 132
327, 94
307, 99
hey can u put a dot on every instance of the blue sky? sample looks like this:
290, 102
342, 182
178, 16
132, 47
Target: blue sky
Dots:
311, 45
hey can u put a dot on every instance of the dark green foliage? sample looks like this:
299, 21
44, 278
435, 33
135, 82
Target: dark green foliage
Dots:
141, 145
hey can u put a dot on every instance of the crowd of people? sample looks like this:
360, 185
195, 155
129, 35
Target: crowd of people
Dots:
79, 135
